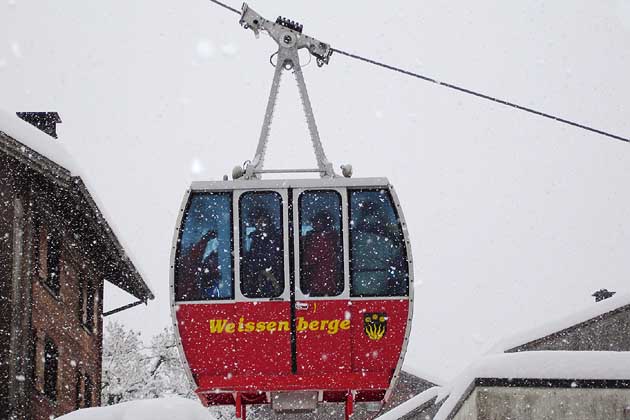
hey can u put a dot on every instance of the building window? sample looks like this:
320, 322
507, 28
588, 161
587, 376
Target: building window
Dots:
78, 396
89, 386
84, 390
87, 299
34, 364
50, 257
51, 367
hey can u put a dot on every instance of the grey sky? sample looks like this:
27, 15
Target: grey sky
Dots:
514, 219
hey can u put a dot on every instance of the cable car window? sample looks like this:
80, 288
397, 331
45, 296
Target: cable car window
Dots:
378, 258
261, 244
204, 257
321, 243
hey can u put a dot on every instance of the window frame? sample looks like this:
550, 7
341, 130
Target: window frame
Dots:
51, 393
283, 193
87, 301
88, 391
45, 236
403, 242
180, 234
297, 242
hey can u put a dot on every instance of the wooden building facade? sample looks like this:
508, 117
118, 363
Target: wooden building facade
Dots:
56, 252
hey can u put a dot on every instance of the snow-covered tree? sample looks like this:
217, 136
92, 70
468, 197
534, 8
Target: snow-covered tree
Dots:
133, 370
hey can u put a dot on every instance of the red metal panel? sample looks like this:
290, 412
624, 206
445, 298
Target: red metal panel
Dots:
344, 381
236, 339
247, 346
263, 338
323, 337
369, 355
206, 352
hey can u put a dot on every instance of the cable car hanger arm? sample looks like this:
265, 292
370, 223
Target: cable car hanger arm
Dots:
467, 91
288, 35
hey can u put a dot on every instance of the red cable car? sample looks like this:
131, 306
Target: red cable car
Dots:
291, 292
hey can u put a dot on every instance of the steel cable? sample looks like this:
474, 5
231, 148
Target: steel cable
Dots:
481, 95
464, 90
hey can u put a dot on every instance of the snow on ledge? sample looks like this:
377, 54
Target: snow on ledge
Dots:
569, 365
589, 312
156, 409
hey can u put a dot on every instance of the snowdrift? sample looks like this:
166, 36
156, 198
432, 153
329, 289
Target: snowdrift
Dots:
156, 409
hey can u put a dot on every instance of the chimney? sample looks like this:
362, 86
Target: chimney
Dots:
602, 294
45, 121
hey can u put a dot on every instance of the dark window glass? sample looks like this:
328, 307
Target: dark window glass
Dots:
261, 245
53, 259
204, 257
78, 397
89, 390
321, 243
378, 258
87, 301
34, 361
51, 365
82, 297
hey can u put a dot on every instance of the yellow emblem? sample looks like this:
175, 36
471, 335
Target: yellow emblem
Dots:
375, 325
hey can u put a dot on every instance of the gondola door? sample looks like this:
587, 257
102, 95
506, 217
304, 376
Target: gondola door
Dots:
263, 298
321, 295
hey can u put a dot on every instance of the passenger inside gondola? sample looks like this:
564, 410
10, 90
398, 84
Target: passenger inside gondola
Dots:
204, 261
321, 271
378, 258
201, 276
262, 256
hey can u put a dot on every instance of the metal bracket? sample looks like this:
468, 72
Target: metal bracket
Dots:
125, 307
288, 35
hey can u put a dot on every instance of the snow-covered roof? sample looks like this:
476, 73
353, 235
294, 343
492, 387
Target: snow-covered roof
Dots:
589, 312
46, 152
569, 365
411, 404
38, 141
154, 409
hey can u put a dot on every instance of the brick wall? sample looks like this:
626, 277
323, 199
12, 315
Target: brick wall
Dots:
60, 318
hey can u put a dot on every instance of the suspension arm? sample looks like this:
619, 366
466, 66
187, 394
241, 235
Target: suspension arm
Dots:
288, 35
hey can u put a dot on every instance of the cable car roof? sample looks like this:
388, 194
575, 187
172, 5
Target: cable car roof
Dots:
250, 184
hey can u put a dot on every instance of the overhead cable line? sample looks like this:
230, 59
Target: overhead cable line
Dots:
464, 90
231, 9
481, 95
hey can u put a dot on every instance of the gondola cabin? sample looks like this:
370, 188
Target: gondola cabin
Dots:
292, 292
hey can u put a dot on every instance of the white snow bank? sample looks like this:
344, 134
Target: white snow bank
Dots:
591, 311
410, 405
156, 409
539, 365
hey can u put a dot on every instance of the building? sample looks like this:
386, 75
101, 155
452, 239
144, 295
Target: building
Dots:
56, 251
575, 367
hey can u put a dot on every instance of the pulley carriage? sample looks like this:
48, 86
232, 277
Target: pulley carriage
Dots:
291, 292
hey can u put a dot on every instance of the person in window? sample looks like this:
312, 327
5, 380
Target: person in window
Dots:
263, 276
376, 251
321, 272
201, 274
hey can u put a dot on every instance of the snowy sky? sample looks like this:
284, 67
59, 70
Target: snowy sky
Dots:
514, 219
